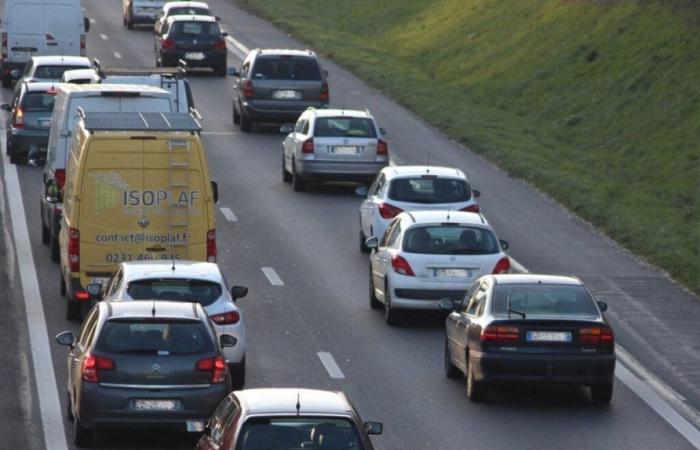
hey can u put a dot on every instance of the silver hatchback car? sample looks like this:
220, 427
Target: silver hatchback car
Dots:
333, 144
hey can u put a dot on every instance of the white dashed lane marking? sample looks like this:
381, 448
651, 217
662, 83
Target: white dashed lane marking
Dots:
272, 276
330, 365
230, 216
117, 55
104, 37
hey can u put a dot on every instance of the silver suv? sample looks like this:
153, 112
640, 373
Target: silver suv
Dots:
277, 85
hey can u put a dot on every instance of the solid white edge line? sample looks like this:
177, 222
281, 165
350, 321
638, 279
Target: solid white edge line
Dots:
117, 55
272, 276
330, 365
238, 45
660, 397
230, 216
47, 392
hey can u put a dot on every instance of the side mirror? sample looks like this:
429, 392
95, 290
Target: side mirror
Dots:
286, 128
374, 427
447, 304
382, 131
325, 73
215, 191
65, 338
95, 291
51, 191
362, 191
602, 305
217, 18
6, 107
372, 242
476, 193
238, 292
504, 244
86, 22
226, 340
224, 33
15, 73
232, 72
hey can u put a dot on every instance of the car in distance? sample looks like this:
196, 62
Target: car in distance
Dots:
412, 188
50, 68
529, 328
29, 121
195, 39
332, 144
152, 364
425, 256
276, 418
277, 85
187, 281
138, 12
180, 9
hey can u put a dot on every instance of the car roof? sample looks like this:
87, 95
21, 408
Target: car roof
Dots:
89, 89
164, 269
171, 5
407, 171
340, 112
61, 60
284, 401
42, 86
443, 216
144, 309
284, 51
191, 18
534, 278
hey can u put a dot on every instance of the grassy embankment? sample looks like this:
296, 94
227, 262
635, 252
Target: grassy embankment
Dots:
596, 103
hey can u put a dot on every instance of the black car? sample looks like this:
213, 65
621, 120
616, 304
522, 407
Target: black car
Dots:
197, 40
154, 364
529, 328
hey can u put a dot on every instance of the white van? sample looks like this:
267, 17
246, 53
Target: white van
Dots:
40, 27
90, 98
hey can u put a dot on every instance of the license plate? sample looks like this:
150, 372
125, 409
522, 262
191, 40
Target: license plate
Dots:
452, 273
99, 280
155, 405
345, 150
196, 56
21, 53
195, 426
45, 123
549, 336
286, 95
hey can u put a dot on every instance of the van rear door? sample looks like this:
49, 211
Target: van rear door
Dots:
24, 38
62, 26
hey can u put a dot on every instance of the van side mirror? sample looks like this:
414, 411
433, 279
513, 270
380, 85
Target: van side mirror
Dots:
325, 73
362, 191
602, 305
286, 128
6, 107
476, 193
447, 304
65, 338
86, 22
382, 131
66, 133
226, 340
51, 191
372, 242
504, 244
15, 73
231, 71
374, 427
238, 292
215, 191
224, 33
95, 291
217, 18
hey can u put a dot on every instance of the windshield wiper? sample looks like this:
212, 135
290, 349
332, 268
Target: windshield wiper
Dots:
514, 311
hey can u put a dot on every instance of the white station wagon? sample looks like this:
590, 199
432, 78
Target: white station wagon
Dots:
425, 256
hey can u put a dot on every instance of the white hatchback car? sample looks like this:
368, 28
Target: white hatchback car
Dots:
425, 256
189, 281
412, 188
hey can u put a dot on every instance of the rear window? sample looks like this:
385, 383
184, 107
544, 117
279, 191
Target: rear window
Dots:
188, 11
429, 190
286, 68
154, 337
185, 29
53, 72
344, 127
200, 291
450, 240
298, 433
38, 101
544, 300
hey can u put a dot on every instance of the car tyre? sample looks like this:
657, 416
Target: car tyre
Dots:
451, 371
62, 287
220, 70
55, 249
236, 116
601, 394
7, 82
373, 302
363, 247
237, 375
297, 183
286, 176
69, 408
391, 315
83, 437
45, 232
475, 389
246, 123
15, 158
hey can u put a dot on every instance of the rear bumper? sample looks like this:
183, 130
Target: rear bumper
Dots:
574, 369
7, 66
23, 140
211, 59
278, 113
419, 293
341, 170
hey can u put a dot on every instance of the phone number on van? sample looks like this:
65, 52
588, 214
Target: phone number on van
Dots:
125, 257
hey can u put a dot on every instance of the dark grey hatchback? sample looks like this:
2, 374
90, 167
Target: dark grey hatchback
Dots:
156, 364
197, 40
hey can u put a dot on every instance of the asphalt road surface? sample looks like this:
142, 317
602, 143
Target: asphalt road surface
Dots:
309, 240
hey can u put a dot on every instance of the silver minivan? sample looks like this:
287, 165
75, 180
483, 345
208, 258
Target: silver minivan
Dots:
137, 12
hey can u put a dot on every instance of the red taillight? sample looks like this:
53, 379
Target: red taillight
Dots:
217, 367
400, 265
19, 118
325, 94
596, 336
502, 266
382, 147
82, 296
500, 333
82, 45
92, 365
228, 318
4, 46
471, 208
247, 89
211, 245
74, 250
167, 44
60, 176
388, 211
220, 45
308, 146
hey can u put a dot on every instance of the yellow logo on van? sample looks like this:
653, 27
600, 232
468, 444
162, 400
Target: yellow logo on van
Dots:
108, 189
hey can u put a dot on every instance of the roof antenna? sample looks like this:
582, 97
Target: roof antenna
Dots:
448, 211
173, 265
298, 405
427, 165
153, 309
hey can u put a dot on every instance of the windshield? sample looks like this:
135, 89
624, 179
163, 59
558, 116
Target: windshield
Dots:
154, 337
344, 127
450, 240
429, 189
185, 290
38, 101
295, 433
286, 68
544, 300
188, 29
53, 72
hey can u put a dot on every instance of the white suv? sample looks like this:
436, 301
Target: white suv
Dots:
412, 188
332, 144
425, 256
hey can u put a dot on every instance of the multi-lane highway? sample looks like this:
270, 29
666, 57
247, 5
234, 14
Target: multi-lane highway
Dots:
308, 317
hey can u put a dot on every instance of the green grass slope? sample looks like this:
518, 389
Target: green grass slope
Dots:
595, 102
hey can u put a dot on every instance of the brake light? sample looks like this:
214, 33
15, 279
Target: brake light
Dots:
60, 176
388, 211
308, 146
502, 266
325, 94
82, 296
167, 44
228, 318
74, 250
382, 147
220, 45
596, 336
471, 208
82, 45
247, 89
211, 245
19, 118
400, 265
217, 367
4, 46
92, 365
500, 333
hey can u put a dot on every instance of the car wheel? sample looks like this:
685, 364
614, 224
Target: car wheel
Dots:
55, 249
15, 158
373, 302
391, 315
69, 408
246, 123
475, 389
286, 176
83, 437
7, 82
363, 247
451, 371
8, 141
237, 375
236, 116
130, 20
297, 183
74, 309
220, 70
45, 232
601, 394
62, 288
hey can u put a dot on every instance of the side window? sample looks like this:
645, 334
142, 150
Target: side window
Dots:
376, 185
299, 126
476, 302
114, 283
221, 427
217, 416
87, 330
383, 241
244, 69
393, 237
305, 128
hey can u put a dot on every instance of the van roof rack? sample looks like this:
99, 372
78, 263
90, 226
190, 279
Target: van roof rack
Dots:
135, 121
179, 71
